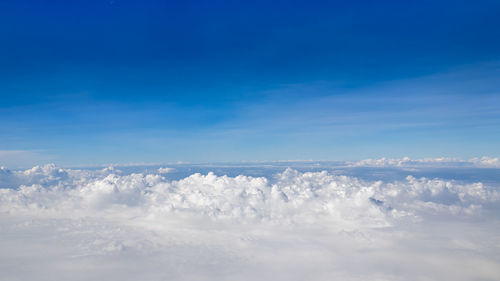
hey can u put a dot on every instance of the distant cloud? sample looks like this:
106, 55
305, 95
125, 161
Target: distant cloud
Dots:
486, 162
165, 170
483, 162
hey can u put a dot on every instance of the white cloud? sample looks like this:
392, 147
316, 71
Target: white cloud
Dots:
486, 162
91, 224
165, 170
483, 162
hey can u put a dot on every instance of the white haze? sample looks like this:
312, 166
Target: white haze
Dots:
288, 224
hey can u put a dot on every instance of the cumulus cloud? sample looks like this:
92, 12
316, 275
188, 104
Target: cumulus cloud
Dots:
206, 226
290, 196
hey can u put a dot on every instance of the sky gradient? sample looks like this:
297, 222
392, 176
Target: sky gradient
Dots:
93, 82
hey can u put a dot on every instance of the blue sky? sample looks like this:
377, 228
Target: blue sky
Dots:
91, 82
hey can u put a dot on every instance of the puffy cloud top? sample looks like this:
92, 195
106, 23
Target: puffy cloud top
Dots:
116, 225
288, 197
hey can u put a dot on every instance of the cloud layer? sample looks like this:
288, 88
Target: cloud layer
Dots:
483, 162
205, 226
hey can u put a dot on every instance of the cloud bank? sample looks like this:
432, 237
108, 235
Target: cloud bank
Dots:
126, 226
483, 162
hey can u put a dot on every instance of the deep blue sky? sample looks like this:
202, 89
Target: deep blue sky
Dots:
89, 82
